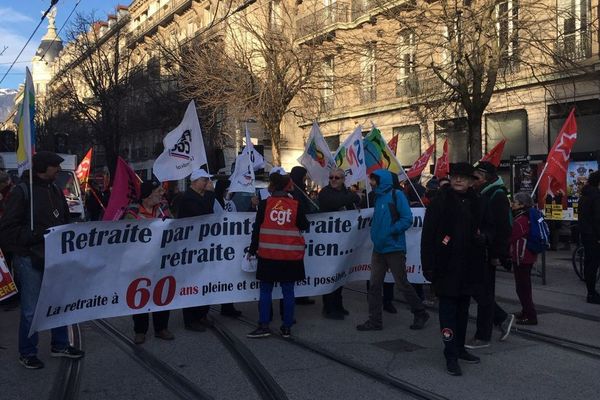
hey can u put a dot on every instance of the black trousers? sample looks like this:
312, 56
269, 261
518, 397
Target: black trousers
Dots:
160, 321
332, 302
194, 314
489, 313
454, 315
591, 264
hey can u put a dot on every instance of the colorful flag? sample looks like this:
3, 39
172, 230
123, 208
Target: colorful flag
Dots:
351, 158
83, 169
495, 155
317, 158
242, 179
125, 190
393, 144
554, 177
257, 159
419, 165
378, 155
184, 149
7, 283
442, 165
26, 126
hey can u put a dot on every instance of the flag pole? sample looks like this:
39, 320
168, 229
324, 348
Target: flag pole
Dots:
415, 190
539, 180
31, 192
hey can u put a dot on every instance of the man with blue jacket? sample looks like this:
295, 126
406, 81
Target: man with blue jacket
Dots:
391, 218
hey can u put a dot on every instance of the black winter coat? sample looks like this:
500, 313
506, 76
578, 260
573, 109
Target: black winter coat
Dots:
337, 200
192, 204
497, 220
589, 214
49, 209
452, 251
275, 270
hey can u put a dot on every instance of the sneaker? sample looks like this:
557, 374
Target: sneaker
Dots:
593, 298
468, 357
31, 362
260, 332
389, 307
477, 344
419, 320
453, 368
68, 352
286, 332
164, 334
139, 338
195, 327
505, 327
368, 326
304, 301
344, 311
526, 321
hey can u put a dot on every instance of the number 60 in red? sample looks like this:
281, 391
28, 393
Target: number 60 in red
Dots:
141, 286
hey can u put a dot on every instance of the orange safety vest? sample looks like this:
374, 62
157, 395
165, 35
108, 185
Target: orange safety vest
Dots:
279, 237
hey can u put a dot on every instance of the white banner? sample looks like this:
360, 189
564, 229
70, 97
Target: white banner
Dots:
107, 269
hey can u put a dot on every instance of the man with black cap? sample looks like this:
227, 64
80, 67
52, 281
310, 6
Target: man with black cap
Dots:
496, 228
27, 244
452, 258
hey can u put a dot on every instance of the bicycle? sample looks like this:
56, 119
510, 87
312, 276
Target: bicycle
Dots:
578, 259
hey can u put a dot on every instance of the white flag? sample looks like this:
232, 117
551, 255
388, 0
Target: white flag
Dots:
317, 158
184, 149
257, 159
242, 179
351, 158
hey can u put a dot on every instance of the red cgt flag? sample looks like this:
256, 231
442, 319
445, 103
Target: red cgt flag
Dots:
83, 170
495, 155
125, 190
393, 144
442, 165
419, 165
554, 177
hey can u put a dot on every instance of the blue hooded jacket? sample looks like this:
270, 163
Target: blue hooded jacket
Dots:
389, 237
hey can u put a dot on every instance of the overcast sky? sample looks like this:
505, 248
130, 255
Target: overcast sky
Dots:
18, 19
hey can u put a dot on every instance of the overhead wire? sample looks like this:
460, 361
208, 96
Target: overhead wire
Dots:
61, 28
52, 4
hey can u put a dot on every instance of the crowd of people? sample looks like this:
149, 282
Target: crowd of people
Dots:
470, 229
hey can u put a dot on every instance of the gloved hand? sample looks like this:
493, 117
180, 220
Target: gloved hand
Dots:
506, 264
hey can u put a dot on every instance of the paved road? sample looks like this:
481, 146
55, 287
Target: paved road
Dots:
327, 359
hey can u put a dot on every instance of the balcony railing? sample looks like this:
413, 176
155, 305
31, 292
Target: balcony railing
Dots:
362, 7
157, 18
575, 46
418, 84
323, 18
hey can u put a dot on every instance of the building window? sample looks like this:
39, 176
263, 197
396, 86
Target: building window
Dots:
409, 143
587, 115
573, 31
368, 92
456, 131
406, 84
276, 16
510, 125
327, 101
507, 16
333, 142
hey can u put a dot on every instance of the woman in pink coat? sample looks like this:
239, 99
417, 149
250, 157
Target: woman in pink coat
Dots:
522, 258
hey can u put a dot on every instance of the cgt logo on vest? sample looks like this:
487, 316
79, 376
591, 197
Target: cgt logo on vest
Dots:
280, 215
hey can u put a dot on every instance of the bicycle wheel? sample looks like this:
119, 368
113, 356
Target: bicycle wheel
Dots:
578, 260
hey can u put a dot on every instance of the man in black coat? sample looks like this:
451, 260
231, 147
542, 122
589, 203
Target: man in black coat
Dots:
27, 244
496, 228
452, 258
336, 197
589, 227
199, 199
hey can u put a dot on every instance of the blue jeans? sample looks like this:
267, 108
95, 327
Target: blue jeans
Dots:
264, 303
30, 279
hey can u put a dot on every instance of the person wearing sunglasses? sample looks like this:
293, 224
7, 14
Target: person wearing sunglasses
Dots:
336, 197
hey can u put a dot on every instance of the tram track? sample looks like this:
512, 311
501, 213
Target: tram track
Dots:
176, 383
585, 349
66, 384
384, 378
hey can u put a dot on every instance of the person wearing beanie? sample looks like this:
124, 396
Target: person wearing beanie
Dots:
452, 258
151, 205
27, 245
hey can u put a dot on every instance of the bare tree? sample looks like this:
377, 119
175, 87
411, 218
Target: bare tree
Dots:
94, 81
